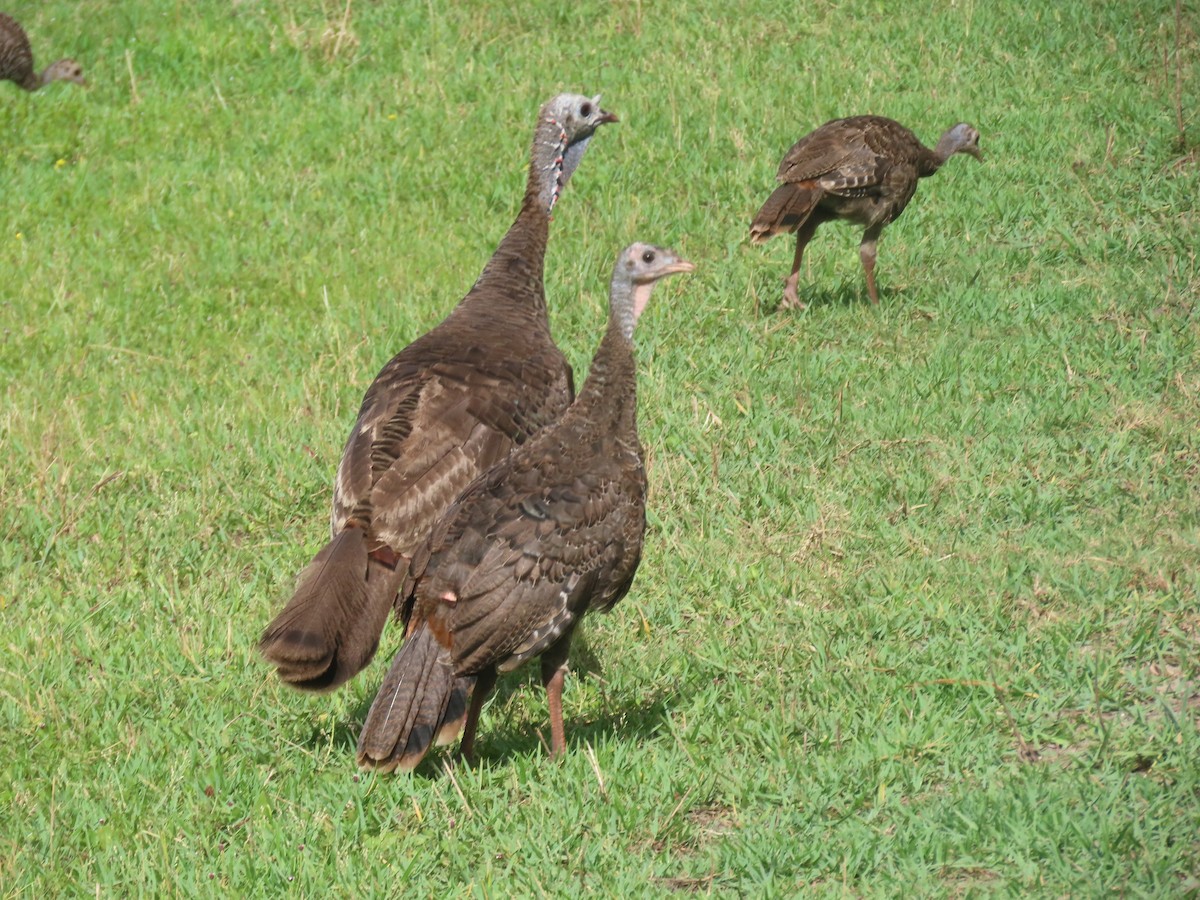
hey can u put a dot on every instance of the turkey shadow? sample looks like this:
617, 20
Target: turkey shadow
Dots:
848, 292
635, 715
639, 716
634, 718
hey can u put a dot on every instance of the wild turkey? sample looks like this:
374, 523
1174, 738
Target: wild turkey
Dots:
445, 409
16, 60
862, 169
550, 532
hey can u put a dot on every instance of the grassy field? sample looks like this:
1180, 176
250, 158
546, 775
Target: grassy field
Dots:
918, 612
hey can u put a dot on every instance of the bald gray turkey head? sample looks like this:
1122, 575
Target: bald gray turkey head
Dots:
962, 138
64, 70
565, 125
637, 269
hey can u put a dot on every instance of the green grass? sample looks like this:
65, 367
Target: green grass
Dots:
918, 611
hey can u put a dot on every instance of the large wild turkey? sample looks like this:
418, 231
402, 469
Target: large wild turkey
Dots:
16, 60
445, 409
550, 532
863, 169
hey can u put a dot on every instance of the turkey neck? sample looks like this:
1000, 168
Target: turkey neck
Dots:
39, 81
607, 403
931, 160
511, 283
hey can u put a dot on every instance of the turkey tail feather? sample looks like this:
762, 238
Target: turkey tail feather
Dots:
784, 212
330, 629
419, 703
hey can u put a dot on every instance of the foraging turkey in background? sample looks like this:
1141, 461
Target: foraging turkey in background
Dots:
16, 60
445, 409
550, 532
862, 169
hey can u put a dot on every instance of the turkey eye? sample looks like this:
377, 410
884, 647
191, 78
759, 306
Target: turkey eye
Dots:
648, 256
586, 110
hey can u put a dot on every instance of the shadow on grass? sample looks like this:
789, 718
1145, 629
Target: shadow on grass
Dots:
849, 292
635, 719
639, 717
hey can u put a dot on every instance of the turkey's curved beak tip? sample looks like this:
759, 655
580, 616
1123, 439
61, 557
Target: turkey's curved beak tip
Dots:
680, 266
606, 118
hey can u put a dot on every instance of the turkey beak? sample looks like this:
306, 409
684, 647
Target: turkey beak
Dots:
977, 153
678, 267
601, 116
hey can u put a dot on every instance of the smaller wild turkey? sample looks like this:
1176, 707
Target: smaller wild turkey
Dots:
553, 530
16, 60
863, 169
